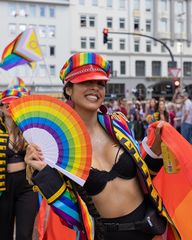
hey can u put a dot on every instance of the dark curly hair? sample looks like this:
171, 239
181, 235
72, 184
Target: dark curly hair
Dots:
69, 85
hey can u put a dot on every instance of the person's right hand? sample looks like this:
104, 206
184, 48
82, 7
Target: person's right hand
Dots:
34, 157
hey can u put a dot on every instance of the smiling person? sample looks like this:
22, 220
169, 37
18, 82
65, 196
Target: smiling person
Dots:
118, 196
17, 201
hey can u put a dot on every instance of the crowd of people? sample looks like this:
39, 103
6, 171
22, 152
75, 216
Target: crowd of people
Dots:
140, 114
118, 196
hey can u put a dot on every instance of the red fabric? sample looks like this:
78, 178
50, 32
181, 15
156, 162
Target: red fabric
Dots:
175, 189
41, 217
50, 225
56, 229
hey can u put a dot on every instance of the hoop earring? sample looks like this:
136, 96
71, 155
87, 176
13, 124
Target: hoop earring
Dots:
70, 102
103, 109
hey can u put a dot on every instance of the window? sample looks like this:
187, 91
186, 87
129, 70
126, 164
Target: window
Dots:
32, 10
148, 25
22, 10
51, 12
122, 68
52, 51
13, 10
122, 23
110, 3
140, 68
179, 26
187, 69
42, 70
148, 46
44, 50
52, 70
148, 5
83, 21
109, 22
156, 68
51, 31
22, 27
12, 28
136, 45
42, 31
163, 5
32, 26
94, 2
122, 4
83, 42
42, 11
92, 43
180, 5
163, 25
171, 65
111, 67
136, 24
82, 2
110, 44
163, 49
115, 90
122, 44
92, 21
136, 5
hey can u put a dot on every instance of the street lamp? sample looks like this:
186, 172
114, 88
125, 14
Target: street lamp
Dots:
148, 36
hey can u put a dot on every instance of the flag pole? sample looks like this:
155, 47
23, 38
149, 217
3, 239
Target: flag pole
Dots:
32, 79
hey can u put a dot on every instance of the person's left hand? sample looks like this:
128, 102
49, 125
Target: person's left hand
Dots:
34, 157
156, 147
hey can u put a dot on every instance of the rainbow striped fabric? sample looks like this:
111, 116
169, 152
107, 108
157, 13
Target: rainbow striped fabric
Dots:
15, 92
81, 59
24, 49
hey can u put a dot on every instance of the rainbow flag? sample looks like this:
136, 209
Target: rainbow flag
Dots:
16, 82
175, 189
24, 49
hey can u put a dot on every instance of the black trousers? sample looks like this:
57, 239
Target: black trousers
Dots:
18, 203
137, 214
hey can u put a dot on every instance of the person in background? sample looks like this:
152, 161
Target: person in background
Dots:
178, 116
151, 107
171, 112
161, 113
114, 201
123, 106
18, 203
186, 119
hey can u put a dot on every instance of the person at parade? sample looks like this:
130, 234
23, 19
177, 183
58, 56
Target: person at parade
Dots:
115, 200
18, 203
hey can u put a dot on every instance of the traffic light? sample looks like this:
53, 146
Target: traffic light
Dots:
105, 35
176, 83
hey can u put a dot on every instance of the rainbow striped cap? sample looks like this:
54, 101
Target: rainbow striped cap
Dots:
85, 66
10, 94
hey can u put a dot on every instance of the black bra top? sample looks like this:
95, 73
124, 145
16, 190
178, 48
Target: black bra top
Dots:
14, 157
124, 168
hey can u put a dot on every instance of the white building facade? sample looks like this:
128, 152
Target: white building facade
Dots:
50, 20
138, 62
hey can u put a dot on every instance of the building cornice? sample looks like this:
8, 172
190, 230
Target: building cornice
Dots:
55, 2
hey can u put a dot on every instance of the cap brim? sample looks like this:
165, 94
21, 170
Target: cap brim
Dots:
8, 99
88, 76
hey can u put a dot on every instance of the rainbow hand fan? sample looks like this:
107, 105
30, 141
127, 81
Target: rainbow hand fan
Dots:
58, 130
